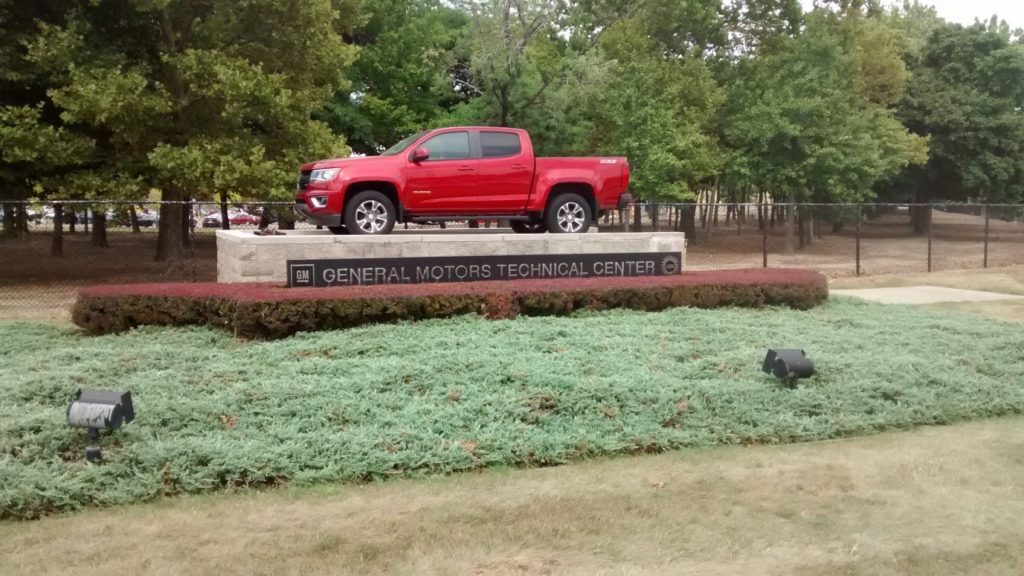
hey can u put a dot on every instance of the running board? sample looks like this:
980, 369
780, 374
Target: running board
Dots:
463, 217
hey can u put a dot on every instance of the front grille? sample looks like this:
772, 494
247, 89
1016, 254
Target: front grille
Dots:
304, 179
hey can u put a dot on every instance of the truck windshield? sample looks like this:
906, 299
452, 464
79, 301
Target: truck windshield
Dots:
401, 146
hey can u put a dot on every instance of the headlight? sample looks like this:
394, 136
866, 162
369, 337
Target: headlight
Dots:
324, 175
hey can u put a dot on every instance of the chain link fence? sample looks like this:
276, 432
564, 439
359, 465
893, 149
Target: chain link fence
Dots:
49, 250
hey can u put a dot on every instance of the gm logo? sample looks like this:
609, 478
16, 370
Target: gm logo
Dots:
300, 275
670, 265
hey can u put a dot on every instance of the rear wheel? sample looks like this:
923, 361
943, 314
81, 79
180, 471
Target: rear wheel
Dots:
568, 214
528, 227
369, 212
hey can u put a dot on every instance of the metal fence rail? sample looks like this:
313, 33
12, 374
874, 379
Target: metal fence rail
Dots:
49, 250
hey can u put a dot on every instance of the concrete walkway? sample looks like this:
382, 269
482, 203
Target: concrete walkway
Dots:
924, 295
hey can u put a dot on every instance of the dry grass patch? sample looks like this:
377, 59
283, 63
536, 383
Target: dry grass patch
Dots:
1004, 311
934, 501
1008, 280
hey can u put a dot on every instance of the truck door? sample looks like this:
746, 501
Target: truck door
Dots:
505, 172
446, 182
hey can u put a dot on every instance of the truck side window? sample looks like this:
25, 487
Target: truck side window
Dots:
448, 146
497, 144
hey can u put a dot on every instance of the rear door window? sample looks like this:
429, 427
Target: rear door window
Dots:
498, 144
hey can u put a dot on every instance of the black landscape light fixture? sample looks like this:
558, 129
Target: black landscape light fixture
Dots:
788, 365
99, 410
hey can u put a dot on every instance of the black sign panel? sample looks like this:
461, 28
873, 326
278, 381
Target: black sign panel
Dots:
375, 271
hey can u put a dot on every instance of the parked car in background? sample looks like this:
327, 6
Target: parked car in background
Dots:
235, 218
469, 173
147, 218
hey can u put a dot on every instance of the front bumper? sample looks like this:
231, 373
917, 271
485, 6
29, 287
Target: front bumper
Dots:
321, 219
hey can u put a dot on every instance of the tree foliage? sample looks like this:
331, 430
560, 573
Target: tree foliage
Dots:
967, 94
211, 98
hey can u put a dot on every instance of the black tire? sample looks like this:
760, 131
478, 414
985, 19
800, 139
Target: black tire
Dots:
338, 229
528, 227
370, 212
568, 213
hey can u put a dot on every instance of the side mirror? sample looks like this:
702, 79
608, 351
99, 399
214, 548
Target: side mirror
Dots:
420, 154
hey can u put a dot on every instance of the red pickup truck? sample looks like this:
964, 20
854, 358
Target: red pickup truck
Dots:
468, 173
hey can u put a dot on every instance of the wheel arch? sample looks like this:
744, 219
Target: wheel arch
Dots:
386, 188
583, 189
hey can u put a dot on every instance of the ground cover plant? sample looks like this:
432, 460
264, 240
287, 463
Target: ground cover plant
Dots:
456, 394
274, 311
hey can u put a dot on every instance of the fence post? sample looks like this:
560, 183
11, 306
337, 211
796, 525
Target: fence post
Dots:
985, 264
860, 216
764, 241
931, 214
57, 247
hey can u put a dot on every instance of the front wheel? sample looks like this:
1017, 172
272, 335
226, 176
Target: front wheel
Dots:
369, 212
527, 227
568, 214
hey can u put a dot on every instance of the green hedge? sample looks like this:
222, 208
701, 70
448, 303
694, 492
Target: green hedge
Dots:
270, 311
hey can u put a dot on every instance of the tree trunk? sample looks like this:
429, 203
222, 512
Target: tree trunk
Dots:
265, 217
689, 223
72, 221
225, 224
186, 223
57, 246
704, 198
790, 216
170, 245
99, 229
286, 220
801, 221
134, 217
9, 231
21, 221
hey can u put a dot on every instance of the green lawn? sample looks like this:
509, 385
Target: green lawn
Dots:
447, 395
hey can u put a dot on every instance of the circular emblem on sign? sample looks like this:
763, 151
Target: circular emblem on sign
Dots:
670, 265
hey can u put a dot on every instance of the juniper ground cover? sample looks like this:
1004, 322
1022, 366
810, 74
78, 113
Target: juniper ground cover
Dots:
447, 395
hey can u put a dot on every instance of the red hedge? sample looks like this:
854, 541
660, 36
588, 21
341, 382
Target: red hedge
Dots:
272, 311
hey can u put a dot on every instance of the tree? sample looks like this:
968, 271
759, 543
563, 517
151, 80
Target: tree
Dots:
34, 144
813, 121
406, 74
966, 95
198, 98
658, 111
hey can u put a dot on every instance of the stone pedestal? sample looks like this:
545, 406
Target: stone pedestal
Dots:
244, 257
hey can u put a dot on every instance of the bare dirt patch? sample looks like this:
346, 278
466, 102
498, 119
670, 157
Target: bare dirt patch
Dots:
933, 501
888, 246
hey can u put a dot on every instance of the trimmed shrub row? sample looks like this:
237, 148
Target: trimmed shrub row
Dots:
273, 311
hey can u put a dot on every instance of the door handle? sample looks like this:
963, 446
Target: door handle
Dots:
518, 167
466, 168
